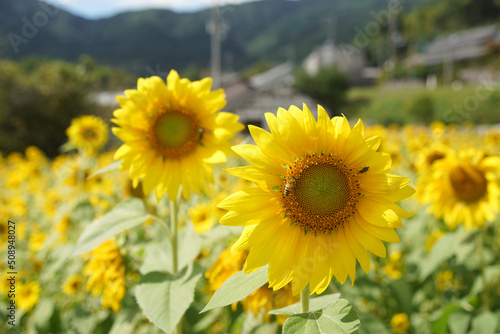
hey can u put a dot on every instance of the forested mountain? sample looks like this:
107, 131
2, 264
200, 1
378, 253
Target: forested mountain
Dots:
274, 30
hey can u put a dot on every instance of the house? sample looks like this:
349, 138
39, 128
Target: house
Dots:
265, 92
346, 58
460, 46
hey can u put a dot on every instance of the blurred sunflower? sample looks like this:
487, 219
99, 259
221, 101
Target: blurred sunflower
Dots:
173, 134
400, 323
324, 196
394, 266
202, 217
106, 275
72, 285
28, 296
463, 189
89, 133
446, 280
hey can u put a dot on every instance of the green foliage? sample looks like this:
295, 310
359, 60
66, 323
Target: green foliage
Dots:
164, 298
127, 214
416, 104
158, 257
444, 248
437, 17
259, 67
159, 40
192, 72
37, 103
38, 99
328, 86
339, 317
315, 304
422, 109
237, 287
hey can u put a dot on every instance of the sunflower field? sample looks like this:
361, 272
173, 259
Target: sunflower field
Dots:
316, 225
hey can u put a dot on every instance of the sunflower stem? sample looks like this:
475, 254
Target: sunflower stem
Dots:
304, 299
174, 212
174, 208
485, 294
162, 224
80, 178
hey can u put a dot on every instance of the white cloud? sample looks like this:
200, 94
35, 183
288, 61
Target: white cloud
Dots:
102, 8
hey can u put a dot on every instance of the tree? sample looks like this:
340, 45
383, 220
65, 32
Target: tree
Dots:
329, 86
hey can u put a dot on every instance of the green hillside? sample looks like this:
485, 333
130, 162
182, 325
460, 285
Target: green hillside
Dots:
274, 30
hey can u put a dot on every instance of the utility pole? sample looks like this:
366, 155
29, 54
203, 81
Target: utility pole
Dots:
392, 40
215, 28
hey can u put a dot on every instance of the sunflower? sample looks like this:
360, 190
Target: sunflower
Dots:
173, 134
202, 217
400, 323
463, 189
323, 197
72, 285
89, 133
29, 294
394, 266
106, 275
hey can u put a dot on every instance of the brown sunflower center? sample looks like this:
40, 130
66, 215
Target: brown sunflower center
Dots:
434, 156
89, 134
468, 182
174, 133
320, 193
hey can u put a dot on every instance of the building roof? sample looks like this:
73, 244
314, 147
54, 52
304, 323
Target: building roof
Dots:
462, 45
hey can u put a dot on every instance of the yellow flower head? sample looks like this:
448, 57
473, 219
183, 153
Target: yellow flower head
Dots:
37, 241
173, 134
394, 266
445, 280
464, 189
323, 197
72, 285
28, 295
88, 133
400, 323
106, 275
202, 217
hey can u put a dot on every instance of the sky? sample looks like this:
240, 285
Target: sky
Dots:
94, 9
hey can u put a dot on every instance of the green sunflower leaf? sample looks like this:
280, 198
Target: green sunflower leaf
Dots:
108, 168
127, 214
458, 322
371, 324
159, 255
337, 318
440, 325
484, 323
164, 298
441, 251
315, 304
237, 287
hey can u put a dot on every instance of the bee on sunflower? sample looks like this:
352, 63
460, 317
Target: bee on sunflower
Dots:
172, 134
340, 204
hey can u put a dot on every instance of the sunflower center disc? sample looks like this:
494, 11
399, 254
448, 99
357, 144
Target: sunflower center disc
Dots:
89, 134
323, 195
174, 133
469, 183
434, 156
322, 189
